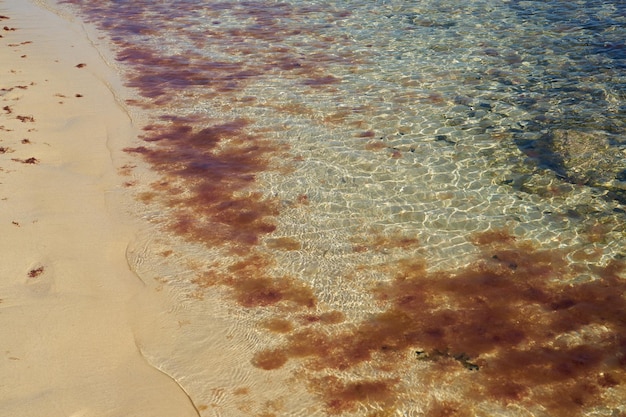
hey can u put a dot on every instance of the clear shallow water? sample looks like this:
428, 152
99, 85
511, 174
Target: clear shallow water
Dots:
381, 208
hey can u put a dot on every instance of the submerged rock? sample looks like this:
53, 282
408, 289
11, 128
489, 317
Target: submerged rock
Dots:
579, 157
588, 157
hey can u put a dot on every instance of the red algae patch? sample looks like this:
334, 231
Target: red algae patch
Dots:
329, 317
341, 396
514, 324
448, 409
492, 236
253, 286
277, 325
366, 134
26, 119
30, 161
269, 359
265, 291
208, 179
283, 243
321, 81
216, 166
35, 272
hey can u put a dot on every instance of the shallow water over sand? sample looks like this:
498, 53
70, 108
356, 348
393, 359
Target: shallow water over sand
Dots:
380, 208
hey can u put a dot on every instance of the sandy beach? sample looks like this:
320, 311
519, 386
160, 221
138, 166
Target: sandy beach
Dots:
67, 296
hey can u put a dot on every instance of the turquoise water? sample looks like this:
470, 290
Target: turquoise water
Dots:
380, 208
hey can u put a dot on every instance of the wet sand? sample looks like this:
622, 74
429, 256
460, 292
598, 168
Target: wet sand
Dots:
67, 296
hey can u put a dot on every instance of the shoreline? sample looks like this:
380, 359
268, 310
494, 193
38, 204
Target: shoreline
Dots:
68, 299
251, 294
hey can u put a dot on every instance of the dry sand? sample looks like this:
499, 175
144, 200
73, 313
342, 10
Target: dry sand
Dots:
67, 296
